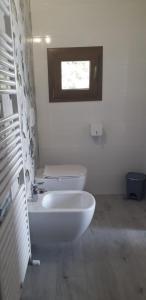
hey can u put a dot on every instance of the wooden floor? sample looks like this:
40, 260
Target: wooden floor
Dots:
107, 263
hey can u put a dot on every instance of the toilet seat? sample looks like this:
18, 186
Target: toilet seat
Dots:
57, 171
61, 177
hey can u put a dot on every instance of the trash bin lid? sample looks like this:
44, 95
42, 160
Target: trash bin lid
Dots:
136, 176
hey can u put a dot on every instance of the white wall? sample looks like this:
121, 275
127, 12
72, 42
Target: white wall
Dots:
120, 26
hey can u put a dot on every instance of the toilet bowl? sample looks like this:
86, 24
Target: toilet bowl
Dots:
61, 177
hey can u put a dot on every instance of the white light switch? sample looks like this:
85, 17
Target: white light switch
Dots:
96, 129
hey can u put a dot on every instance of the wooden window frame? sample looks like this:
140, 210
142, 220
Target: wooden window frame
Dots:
57, 55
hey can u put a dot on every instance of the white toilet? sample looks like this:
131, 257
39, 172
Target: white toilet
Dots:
61, 177
64, 211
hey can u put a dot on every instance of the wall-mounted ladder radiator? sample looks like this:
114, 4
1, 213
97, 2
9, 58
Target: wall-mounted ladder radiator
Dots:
14, 225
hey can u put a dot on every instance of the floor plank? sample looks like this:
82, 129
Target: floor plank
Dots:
107, 263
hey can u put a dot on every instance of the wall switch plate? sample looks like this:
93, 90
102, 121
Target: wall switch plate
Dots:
96, 129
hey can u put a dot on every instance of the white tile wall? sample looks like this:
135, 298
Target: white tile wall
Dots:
120, 26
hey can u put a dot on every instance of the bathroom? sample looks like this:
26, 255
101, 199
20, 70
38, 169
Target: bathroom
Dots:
104, 138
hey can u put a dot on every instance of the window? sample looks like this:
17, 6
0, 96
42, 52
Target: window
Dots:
75, 74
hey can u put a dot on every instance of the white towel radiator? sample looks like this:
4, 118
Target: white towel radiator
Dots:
15, 249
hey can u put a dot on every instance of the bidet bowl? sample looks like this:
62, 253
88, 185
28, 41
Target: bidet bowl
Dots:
61, 216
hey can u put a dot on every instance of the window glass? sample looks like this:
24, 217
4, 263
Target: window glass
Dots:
75, 75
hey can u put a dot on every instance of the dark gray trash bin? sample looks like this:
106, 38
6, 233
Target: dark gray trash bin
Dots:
135, 185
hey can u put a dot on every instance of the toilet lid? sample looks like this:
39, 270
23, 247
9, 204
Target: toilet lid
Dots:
64, 171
